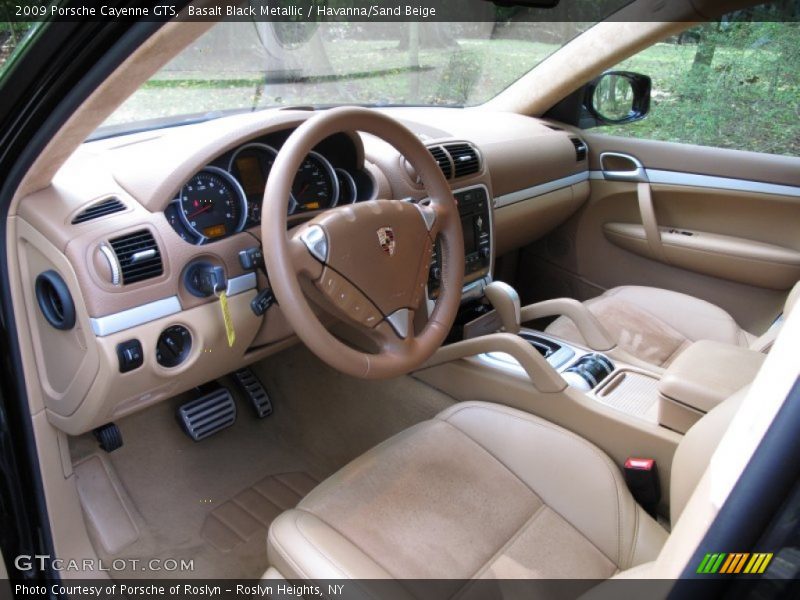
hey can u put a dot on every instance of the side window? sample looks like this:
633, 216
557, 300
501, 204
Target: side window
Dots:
12, 36
730, 84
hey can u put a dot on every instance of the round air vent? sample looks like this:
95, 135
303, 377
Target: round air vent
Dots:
55, 301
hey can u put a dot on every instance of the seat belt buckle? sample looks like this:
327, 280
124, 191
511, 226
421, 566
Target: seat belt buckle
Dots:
641, 476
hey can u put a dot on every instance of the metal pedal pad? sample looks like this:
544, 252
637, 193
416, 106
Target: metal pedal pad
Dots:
255, 392
208, 414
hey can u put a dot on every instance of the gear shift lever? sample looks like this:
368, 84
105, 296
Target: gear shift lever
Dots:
505, 301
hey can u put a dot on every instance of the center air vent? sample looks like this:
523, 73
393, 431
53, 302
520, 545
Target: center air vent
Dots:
580, 148
100, 209
465, 159
456, 160
443, 160
138, 256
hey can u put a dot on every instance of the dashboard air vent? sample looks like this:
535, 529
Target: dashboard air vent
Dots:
443, 160
465, 158
138, 256
100, 209
580, 148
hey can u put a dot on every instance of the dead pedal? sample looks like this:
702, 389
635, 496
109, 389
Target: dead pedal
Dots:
210, 413
255, 392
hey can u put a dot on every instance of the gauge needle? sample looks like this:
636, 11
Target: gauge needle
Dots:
303, 191
200, 212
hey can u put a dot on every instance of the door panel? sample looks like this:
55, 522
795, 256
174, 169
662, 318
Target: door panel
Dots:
733, 240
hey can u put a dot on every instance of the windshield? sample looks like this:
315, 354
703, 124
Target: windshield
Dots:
254, 65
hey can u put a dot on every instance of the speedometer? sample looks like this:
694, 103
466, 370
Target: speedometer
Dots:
213, 204
315, 185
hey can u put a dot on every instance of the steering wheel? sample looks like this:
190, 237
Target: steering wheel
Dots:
367, 263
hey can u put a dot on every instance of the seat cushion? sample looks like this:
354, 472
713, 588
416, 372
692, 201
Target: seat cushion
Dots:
480, 491
655, 325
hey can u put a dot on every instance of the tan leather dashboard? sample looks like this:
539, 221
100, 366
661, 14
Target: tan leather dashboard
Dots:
531, 171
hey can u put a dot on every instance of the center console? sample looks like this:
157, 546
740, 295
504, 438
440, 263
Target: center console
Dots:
474, 207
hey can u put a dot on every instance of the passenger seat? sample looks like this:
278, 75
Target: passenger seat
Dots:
656, 325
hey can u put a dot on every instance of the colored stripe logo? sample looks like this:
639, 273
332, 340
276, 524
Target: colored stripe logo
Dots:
722, 563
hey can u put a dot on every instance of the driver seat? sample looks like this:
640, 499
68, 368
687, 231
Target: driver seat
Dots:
482, 491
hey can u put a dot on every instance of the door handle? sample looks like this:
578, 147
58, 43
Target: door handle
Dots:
622, 167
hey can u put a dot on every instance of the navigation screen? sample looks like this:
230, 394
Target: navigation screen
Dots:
470, 242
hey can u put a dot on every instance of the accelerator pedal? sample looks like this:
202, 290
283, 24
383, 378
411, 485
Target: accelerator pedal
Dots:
255, 392
210, 413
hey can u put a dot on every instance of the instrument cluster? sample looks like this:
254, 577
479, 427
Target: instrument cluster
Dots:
225, 197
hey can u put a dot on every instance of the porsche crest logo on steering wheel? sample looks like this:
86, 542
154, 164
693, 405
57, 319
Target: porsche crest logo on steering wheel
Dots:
386, 240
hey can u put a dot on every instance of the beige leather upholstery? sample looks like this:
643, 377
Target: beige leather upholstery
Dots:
694, 452
708, 372
480, 491
656, 325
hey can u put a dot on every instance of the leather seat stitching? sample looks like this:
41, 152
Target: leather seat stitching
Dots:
589, 446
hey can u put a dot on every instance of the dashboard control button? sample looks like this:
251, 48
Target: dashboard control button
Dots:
261, 303
130, 355
349, 299
252, 258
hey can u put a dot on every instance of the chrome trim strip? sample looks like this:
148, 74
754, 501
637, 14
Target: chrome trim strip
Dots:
538, 190
399, 321
139, 315
712, 181
316, 241
240, 284
113, 263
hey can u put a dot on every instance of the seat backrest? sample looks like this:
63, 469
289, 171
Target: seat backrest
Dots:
695, 449
764, 342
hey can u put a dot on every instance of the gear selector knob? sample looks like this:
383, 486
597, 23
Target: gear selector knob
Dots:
505, 301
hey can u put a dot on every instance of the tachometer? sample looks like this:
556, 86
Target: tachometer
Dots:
213, 204
315, 186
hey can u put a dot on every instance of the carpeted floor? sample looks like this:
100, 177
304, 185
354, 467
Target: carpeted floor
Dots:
212, 501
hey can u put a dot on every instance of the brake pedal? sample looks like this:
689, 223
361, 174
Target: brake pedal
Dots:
208, 414
255, 392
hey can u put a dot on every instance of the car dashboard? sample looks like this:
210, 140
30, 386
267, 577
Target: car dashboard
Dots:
129, 222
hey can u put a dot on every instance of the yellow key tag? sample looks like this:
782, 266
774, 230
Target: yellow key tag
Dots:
226, 318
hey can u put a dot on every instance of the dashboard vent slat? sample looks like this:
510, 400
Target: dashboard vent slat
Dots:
465, 158
580, 148
443, 160
100, 209
138, 255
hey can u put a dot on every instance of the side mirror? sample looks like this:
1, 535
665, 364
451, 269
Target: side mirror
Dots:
614, 98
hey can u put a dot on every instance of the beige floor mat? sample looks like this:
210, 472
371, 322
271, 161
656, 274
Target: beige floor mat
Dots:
173, 486
249, 513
